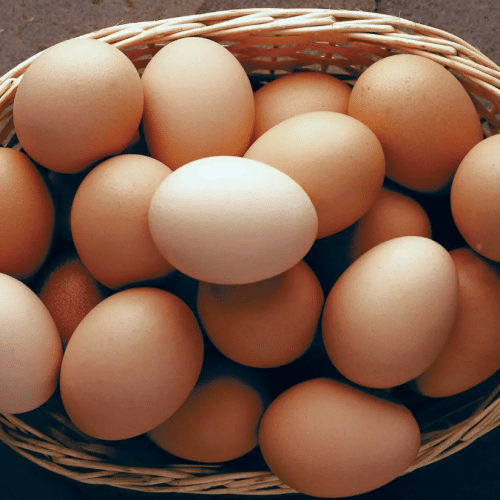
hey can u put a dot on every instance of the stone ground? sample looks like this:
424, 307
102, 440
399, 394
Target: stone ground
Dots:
29, 26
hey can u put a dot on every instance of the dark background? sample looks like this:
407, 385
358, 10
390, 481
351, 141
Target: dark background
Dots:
28, 26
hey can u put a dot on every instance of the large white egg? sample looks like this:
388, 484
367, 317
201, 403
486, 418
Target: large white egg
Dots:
231, 220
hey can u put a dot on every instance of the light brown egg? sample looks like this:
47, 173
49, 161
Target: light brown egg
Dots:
81, 100
30, 348
472, 352
230, 220
423, 117
327, 439
131, 363
218, 422
198, 102
336, 159
109, 221
388, 316
392, 215
27, 221
69, 292
263, 324
474, 198
297, 93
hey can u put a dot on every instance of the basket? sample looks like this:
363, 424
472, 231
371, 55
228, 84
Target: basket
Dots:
268, 43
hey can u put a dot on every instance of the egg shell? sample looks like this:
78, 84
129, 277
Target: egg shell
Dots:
230, 220
109, 221
472, 351
422, 115
78, 102
218, 422
327, 439
391, 215
30, 348
28, 215
474, 198
69, 292
131, 363
389, 315
297, 93
198, 102
336, 159
263, 324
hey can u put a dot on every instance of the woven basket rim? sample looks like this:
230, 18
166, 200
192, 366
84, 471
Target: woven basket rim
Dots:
327, 28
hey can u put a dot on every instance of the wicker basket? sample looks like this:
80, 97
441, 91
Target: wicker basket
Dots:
268, 42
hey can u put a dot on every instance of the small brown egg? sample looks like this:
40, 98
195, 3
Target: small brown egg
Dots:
198, 102
30, 348
388, 316
218, 422
131, 363
336, 159
422, 116
474, 198
327, 439
27, 221
263, 324
78, 102
392, 215
109, 221
472, 352
230, 220
69, 292
298, 93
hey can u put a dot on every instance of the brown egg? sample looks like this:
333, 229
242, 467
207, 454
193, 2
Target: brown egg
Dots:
109, 221
263, 324
198, 102
69, 292
388, 316
474, 198
81, 100
472, 352
217, 422
30, 348
423, 117
336, 159
327, 439
131, 363
392, 215
27, 221
297, 93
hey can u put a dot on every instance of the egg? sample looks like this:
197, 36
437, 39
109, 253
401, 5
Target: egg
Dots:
131, 363
78, 102
218, 421
474, 198
28, 216
69, 292
109, 221
472, 351
263, 324
30, 348
389, 315
336, 159
230, 220
422, 115
297, 93
329, 440
198, 102
391, 215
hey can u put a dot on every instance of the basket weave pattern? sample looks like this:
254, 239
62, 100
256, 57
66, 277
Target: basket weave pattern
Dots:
268, 43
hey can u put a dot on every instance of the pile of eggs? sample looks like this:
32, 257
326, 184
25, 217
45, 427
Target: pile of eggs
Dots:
235, 190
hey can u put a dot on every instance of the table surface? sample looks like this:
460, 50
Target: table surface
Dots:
33, 25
